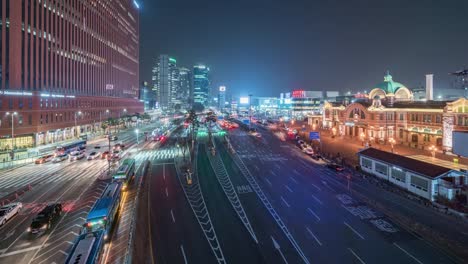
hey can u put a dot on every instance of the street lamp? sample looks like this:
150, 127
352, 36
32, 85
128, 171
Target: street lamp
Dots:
12, 128
392, 142
77, 113
433, 150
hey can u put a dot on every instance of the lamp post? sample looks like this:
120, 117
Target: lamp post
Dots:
136, 131
392, 142
12, 128
77, 113
433, 150
250, 110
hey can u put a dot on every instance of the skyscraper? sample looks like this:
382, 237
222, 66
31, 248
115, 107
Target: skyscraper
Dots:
201, 84
166, 81
221, 97
185, 88
64, 66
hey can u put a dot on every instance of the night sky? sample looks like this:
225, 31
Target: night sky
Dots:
265, 47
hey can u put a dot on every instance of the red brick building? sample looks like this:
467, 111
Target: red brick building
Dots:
62, 61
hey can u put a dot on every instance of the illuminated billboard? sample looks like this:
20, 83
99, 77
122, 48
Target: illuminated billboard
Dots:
222, 88
244, 100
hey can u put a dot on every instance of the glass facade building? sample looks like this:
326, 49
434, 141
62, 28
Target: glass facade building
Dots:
201, 84
166, 82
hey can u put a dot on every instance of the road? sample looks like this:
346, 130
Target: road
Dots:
329, 224
74, 184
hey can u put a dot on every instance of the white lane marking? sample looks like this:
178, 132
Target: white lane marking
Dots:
172, 215
312, 212
268, 181
316, 199
296, 172
20, 251
294, 180
183, 253
23, 245
289, 189
316, 187
356, 232
312, 234
277, 247
167, 193
284, 201
272, 172
354, 253
407, 253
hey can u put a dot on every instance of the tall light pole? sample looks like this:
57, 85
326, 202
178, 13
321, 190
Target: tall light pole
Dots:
136, 131
77, 113
392, 142
12, 128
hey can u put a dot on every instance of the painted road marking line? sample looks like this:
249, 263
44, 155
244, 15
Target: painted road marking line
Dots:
316, 187
354, 253
23, 245
294, 180
268, 181
272, 172
284, 201
407, 253
312, 212
356, 232
316, 199
312, 234
20, 251
296, 172
289, 189
172, 214
167, 193
183, 253
277, 247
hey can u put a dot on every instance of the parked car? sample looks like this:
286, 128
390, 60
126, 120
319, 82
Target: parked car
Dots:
45, 218
60, 158
9, 211
93, 155
335, 167
44, 159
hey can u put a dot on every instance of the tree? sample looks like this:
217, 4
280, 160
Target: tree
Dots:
198, 107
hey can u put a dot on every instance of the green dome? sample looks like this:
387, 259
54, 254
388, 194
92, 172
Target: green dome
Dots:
388, 85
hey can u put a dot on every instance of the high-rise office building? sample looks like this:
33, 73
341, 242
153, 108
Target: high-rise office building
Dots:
64, 66
221, 97
166, 81
185, 88
201, 84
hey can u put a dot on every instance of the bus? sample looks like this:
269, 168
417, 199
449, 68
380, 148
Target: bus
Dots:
104, 211
69, 147
125, 173
87, 248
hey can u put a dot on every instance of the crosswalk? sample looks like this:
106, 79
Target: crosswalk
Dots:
158, 154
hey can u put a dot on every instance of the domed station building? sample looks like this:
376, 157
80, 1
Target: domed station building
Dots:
390, 114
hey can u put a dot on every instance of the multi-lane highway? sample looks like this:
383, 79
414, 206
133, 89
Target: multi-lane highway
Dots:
73, 184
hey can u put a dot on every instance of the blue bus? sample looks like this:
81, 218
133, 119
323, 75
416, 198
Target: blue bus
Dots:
104, 211
69, 147
125, 173
87, 248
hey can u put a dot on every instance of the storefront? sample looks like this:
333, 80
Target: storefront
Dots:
18, 142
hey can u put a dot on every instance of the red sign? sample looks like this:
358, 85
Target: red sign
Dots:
298, 93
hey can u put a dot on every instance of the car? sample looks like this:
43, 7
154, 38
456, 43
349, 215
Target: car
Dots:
308, 151
76, 156
82, 147
316, 156
60, 158
97, 147
44, 159
105, 154
335, 167
300, 142
45, 218
93, 155
9, 211
114, 138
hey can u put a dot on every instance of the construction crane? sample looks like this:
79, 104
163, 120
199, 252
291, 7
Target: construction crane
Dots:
463, 76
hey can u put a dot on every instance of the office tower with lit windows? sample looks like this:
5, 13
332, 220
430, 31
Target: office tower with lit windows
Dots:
166, 82
64, 67
201, 84
184, 94
221, 97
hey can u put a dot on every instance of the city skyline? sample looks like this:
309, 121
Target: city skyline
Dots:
312, 46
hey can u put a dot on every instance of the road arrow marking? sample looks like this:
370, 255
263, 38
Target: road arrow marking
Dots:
277, 247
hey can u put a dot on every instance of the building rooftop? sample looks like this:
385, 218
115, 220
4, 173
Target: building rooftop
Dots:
423, 168
420, 104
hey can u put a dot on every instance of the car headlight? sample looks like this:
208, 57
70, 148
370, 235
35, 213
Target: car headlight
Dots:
29, 229
44, 226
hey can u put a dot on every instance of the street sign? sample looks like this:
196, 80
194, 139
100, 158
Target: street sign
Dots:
314, 135
246, 121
